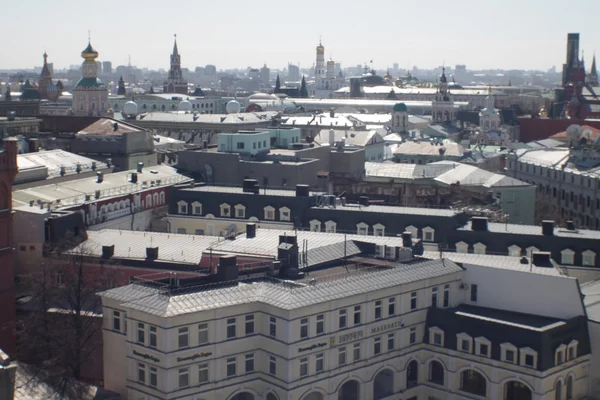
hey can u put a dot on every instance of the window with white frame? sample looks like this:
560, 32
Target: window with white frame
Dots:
462, 247
356, 352
378, 230
377, 346
225, 210
508, 353
342, 356
117, 321
182, 206
303, 367
141, 333
203, 373
436, 336
303, 328
184, 378
588, 258
197, 208
272, 365
141, 373
202, 333
320, 324
249, 362
183, 338
414, 231
231, 366
514, 251
269, 213
231, 328
530, 250
567, 257
240, 211
320, 362
571, 350
479, 248
483, 347
152, 336
559, 355
464, 343
428, 234
362, 229
153, 381
330, 227
528, 357
315, 225
285, 214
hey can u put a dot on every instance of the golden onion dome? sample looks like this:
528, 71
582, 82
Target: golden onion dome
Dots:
320, 48
330, 62
89, 53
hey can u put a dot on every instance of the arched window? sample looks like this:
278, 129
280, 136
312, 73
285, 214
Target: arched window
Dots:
313, 396
558, 390
271, 396
243, 396
412, 374
383, 385
436, 372
349, 391
473, 382
514, 390
570, 387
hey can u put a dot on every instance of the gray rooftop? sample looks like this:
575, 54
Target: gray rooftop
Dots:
115, 184
591, 299
240, 190
535, 230
436, 212
53, 160
287, 297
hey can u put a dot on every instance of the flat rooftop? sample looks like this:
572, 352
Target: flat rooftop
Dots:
53, 160
240, 190
519, 320
116, 184
436, 212
536, 230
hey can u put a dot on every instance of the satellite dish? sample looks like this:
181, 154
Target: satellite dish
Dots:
574, 132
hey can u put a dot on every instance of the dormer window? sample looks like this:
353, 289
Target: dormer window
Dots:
196, 208
269, 213
436, 336
483, 347
464, 343
362, 229
572, 350
284, 214
508, 353
428, 234
240, 211
588, 258
462, 247
528, 357
182, 207
225, 210
479, 248
567, 257
330, 227
378, 230
559, 355
315, 225
514, 251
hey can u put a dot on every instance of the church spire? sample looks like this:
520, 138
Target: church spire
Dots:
175, 51
593, 69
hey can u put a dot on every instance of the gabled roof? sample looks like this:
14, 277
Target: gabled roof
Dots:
352, 137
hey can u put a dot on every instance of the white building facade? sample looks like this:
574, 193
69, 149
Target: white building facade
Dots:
373, 335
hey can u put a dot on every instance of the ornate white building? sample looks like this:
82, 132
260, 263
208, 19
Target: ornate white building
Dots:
90, 96
442, 108
489, 117
326, 81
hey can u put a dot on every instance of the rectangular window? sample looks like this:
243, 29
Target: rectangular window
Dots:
272, 365
240, 145
356, 352
184, 378
231, 328
273, 326
202, 334
391, 306
342, 319
559, 357
249, 363
197, 210
153, 377
413, 301
303, 328
249, 324
356, 315
320, 363
434, 297
141, 333
141, 373
199, 232
377, 346
571, 353
390, 340
342, 356
116, 321
303, 367
183, 340
152, 335
529, 360
510, 356
483, 350
378, 309
473, 292
413, 336
203, 373
320, 324
437, 339
181, 231
231, 367
446, 296
465, 345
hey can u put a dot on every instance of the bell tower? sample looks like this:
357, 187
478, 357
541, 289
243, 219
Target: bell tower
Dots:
8, 171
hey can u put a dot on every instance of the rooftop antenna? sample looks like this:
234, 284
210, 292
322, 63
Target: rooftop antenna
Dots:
89, 36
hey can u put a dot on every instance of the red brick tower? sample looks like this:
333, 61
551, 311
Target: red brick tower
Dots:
8, 171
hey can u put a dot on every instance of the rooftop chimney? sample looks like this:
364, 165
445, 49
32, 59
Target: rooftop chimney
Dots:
364, 201
63, 171
250, 230
302, 191
541, 258
133, 177
140, 165
93, 165
406, 239
108, 251
152, 253
479, 224
331, 137
227, 269
204, 144
570, 225
99, 177
548, 227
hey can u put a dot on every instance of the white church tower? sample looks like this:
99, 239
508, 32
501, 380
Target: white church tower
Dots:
442, 108
489, 117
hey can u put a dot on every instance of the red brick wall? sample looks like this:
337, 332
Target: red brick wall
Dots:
539, 128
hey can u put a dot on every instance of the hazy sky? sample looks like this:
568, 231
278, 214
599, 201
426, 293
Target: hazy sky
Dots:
520, 34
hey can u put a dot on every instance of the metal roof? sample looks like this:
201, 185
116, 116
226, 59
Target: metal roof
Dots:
240, 190
287, 297
536, 230
53, 160
437, 212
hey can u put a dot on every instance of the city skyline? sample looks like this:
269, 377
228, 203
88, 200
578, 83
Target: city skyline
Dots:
239, 34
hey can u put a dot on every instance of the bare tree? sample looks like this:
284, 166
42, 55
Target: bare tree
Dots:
61, 323
547, 209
